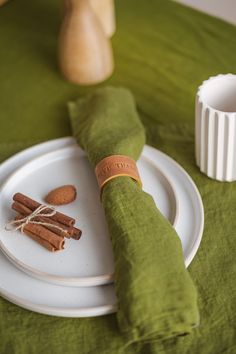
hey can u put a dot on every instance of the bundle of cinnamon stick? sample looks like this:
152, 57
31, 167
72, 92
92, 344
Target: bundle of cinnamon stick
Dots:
51, 230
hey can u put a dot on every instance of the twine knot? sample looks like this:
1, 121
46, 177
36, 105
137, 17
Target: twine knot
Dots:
15, 225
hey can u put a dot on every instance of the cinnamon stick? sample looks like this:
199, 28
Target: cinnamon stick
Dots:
75, 233
23, 210
40, 241
66, 232
56, 241
33, 205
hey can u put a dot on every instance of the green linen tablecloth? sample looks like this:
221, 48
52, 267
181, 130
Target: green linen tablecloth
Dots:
163, 51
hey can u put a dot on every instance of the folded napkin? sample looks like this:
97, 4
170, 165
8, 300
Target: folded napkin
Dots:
156, 296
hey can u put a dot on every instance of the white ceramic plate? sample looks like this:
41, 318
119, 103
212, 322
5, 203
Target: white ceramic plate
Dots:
80, 302
89, 261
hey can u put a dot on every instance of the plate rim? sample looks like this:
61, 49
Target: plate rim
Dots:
87, 311
8, 161
197, 242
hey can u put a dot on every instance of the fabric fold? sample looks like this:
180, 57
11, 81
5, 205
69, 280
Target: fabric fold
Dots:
156, 296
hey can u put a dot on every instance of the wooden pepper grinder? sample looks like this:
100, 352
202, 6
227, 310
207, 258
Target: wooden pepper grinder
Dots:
3, 2
105, 11
85, 53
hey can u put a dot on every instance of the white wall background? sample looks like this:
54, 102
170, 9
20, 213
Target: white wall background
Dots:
225, 9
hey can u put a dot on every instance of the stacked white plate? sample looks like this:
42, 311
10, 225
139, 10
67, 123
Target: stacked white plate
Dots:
78, 282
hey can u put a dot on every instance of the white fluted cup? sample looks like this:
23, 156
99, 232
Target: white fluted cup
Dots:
215, 129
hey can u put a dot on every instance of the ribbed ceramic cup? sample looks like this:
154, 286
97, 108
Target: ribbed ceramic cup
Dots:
215, 130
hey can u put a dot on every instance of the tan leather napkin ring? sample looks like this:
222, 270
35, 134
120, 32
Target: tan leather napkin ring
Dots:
115, 166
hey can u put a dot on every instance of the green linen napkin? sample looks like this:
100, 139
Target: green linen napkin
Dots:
156, 297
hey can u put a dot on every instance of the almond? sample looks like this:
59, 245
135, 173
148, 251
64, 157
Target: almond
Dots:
61, 195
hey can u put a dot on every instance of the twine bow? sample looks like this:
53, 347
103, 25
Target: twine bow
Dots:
15, 225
